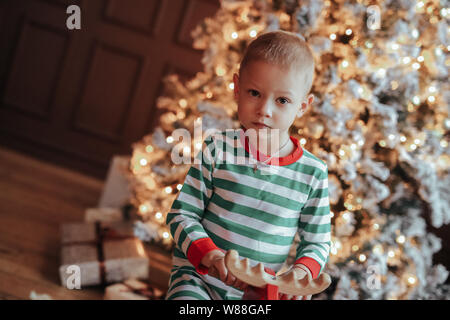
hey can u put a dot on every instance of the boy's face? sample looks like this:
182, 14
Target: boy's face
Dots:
269, 96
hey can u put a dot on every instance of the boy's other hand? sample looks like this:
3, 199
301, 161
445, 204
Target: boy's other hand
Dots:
215, 262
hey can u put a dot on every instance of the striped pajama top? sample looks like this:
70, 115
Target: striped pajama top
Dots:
225, 204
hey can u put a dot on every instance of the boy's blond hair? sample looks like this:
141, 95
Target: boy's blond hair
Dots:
285, 49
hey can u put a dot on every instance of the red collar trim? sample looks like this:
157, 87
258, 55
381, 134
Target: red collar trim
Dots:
282, 161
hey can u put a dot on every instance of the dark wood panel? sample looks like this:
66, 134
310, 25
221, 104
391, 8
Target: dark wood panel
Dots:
111, 81
136, 15
34, 92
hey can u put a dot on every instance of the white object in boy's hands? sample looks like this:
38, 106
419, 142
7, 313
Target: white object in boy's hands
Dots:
257, 277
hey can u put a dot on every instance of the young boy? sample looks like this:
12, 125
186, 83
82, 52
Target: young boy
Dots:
227, 202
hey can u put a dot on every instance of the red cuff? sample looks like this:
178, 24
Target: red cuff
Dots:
197, 251
311, 264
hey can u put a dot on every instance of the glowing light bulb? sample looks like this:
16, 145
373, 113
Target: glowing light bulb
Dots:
333, 36
416, 66
220, 71
348, 32
253, 33
143, 162
378, 249
231, 86
179, 186
412, 280
302, 141
406, 60
344, 63
391, 254
158, 215
401, 239
169, 139
183, 103
165, 235
402, 138
416, 100
168, 189
362, 257
420, 58
234, 35
381, 72
143, 208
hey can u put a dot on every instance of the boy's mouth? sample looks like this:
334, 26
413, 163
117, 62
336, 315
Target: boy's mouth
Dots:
260, 125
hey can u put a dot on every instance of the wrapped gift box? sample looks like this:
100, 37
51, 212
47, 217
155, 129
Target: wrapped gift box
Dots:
133, 289
116, 191
109, 214
104, 253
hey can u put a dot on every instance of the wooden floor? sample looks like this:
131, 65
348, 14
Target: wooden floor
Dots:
35, 198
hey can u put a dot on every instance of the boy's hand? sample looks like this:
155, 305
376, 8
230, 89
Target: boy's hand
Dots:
300, 271
215, 261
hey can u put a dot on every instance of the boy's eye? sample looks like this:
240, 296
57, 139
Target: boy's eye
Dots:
283, 100
253, 93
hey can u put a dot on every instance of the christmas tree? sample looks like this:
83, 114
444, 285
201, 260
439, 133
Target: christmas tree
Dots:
380, 121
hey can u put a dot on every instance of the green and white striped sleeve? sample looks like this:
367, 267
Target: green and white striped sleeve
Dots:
186, 213
315, 226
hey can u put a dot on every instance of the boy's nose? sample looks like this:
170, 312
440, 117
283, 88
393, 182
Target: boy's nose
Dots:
265, 109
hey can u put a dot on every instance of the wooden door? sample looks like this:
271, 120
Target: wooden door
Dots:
78, 97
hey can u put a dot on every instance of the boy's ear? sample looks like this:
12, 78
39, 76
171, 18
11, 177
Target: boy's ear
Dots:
310, 99
236, 86
305, 105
